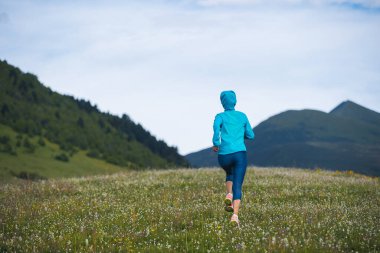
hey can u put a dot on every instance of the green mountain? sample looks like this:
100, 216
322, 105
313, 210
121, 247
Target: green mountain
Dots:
30, 111
350, 110
347, 138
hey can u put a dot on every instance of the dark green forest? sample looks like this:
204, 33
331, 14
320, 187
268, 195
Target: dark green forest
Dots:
34, 110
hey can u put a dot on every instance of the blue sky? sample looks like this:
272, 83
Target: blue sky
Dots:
164, 63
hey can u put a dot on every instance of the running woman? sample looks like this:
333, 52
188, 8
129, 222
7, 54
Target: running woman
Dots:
230, 129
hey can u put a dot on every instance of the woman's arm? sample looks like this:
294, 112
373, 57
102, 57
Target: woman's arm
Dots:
249, 134
216, 137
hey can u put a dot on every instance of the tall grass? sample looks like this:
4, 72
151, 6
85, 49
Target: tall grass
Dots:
283, 210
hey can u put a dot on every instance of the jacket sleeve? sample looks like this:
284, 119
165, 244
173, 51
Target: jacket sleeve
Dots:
217, 126
249, 134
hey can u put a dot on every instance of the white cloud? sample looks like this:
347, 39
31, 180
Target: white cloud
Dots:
357, 3
165, 64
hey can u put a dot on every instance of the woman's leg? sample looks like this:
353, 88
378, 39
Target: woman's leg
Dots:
229, 196
228, 186
226, 162
238, 178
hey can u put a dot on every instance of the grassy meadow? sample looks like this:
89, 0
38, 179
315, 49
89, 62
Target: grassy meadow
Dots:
283, 210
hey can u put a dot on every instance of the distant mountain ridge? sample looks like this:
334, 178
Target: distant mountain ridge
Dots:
31, 109
351, 110
347, 138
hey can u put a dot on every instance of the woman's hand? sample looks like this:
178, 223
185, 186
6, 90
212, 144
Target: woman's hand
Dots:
215, 148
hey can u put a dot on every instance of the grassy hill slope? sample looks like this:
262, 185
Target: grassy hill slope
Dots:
30, 108
46, 160
284, 210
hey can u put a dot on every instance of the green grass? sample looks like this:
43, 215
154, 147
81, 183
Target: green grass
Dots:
284, 210
42, 160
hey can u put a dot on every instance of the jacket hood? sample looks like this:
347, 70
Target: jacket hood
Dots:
228, 99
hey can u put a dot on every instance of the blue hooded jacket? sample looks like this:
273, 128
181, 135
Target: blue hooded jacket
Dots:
231, 127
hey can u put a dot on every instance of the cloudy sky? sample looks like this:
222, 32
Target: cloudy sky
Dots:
165, 62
